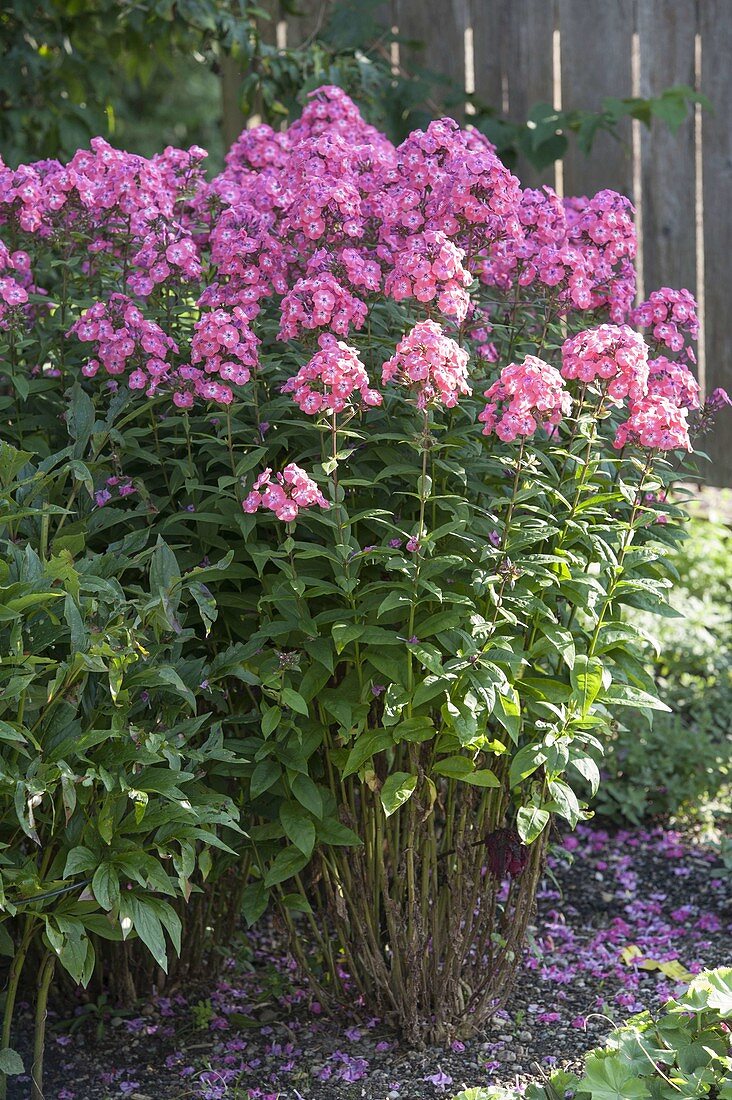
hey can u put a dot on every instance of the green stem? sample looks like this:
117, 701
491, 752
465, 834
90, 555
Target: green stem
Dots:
45, 978
16, 969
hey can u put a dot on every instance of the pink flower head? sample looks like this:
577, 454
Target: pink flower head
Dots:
320, 301
526, 395
430, 266
431, 364
334, 379
671, 315
614, 354
225, 344
657, 423
289, 492
667, 378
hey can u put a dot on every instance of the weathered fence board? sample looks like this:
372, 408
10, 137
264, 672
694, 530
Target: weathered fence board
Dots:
596, 61
438, 27
667, 30
513, 62
716, 38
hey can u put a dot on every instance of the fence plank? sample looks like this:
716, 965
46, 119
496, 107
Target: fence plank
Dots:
596, 52
438, 27
716, 39
311, 18
513, 62
666, 29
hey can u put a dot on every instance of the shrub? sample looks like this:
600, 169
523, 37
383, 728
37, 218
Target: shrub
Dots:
686, 1052
107, 815
673, 765
419, 637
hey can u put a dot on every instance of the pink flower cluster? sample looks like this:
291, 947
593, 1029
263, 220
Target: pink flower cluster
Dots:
582, 250
613, 354
126, 343
671, 316
333, 380
166, 252
527, 395
431, 365
16, 283
667, 378
428, 267
450, 180
122, 486
656, 423
225, 344
286, 495
319, 301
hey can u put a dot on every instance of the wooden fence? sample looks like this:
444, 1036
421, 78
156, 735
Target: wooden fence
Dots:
572, 53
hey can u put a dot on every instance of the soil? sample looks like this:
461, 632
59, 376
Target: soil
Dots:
257, 1029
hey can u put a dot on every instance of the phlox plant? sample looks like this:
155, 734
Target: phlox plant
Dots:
108, 812
411, 412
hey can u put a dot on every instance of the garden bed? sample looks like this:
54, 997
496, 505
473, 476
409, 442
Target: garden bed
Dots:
258, 1034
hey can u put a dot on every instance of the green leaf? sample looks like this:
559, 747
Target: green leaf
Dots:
562, 641
525, 763
333, 832
79, 860
270, 720
254, 901
307, 794
299, 828
607, 1078
530, 822
586, 679
364, 747
397, 789
626, 695
484, 777
454, 767
105, 886
565, 801
343, 633
294, 700
264, 776
289, 862
507, 711
11, 1064
149, 928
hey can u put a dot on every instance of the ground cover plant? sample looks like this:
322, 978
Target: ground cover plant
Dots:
372, 446
686, 1052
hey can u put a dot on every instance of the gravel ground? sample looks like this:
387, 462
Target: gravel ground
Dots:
257, 1034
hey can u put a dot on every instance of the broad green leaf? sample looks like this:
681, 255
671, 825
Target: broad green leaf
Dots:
586, 677
530, 822
364, 747
264, 776
333, 832
397, 789
11, 1064
607, 1078
299, 828
288, 863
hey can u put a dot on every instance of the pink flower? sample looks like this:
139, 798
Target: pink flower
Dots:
430, 266
290, 491
613, 354
655, 423
333, 380
526, 395
431, 364
667, 378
